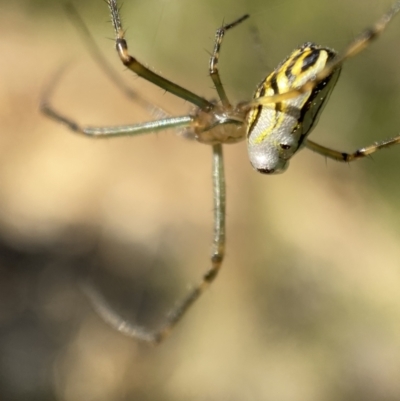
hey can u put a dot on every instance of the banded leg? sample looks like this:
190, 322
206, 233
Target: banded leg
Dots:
360, 42
113, 131
214, 73
349, 157
176, 314
108, 70
134, 65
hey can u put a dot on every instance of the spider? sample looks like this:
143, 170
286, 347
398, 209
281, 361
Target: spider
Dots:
276, 124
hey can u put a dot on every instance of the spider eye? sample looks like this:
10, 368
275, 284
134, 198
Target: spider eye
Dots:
285, 146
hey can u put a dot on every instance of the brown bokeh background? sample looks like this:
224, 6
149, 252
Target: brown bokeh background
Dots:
307, 307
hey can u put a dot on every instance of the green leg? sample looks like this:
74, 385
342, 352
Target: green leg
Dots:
119, 130
176, 314
134, 65
105, 132
214, 73
108, 70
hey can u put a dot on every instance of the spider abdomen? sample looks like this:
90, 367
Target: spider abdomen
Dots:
276, 130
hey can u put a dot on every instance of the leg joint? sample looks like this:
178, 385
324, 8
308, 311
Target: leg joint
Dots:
217, 258
210, 275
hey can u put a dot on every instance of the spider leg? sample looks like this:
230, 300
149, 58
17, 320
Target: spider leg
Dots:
360, 42
214, 73
108, 70
104, 132
349, 157
134, 65
175, 315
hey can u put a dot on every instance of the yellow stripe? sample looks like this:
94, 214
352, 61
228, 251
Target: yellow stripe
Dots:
283, 85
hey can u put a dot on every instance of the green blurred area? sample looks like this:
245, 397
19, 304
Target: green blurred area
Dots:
307, 304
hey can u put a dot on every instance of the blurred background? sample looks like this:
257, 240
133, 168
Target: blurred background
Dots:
306, 307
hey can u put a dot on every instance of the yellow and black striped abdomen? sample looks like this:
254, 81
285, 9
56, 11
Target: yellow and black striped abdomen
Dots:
275, 131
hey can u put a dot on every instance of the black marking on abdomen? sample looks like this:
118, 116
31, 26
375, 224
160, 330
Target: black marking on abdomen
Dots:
310, 60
